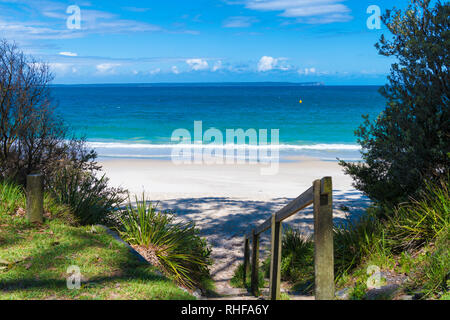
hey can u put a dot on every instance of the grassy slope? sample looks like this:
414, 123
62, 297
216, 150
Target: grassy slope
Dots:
40, 256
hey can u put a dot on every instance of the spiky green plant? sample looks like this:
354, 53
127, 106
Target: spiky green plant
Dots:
355, 240
238, 276
421, 221
89, 197
180, 250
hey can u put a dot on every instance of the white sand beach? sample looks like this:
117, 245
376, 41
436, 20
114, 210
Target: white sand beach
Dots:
226, 201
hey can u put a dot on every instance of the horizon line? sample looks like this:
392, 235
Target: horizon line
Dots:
312, 83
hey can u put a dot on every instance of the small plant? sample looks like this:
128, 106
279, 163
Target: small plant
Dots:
359, 291
176, 247
11, 197
238, 277
297, 260
90, 198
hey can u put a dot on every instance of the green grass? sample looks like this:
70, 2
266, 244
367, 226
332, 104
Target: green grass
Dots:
34, 260
40, 255
11, 196
412, 239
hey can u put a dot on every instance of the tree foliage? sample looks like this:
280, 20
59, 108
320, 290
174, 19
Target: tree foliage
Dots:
32, 137
409, 142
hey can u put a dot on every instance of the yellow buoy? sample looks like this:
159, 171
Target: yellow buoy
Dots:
300, 101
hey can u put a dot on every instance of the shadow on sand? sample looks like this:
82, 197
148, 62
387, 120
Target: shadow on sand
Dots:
224, 221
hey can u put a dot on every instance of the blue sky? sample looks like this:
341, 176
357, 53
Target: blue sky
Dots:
202, 41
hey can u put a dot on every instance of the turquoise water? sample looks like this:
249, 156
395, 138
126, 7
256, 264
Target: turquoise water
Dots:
138, 120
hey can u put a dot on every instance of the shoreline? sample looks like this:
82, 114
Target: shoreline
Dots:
259, 153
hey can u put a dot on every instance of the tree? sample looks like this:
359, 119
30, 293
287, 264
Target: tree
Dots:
32, 138
409, 142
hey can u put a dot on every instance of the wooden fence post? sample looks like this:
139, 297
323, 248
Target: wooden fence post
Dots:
255, 264
246, 259
323, 239
275, 262
35, 198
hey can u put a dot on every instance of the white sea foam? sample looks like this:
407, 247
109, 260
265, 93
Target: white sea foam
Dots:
147, 146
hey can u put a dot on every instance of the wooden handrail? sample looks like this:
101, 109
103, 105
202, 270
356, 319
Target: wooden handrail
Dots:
299, 203
319, 194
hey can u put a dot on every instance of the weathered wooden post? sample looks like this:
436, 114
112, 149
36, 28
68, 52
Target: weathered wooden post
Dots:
246, 259
323, 239
35, 198
255, 264
275, 262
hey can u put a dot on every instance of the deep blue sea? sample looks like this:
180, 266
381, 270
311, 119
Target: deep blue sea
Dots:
138, 120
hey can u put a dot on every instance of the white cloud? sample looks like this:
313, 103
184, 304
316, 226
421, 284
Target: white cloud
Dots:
106, 67
217, 66
307, 11
267, 63
155, 71
62, 68
175, 70
307, 71
239, 22
197, 64
68, 54
51, 18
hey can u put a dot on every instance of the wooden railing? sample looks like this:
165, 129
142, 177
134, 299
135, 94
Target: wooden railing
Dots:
320, 195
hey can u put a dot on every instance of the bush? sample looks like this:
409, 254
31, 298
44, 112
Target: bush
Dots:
89, 197
409, 142
32, 138
174, 246
297, 260
354, 240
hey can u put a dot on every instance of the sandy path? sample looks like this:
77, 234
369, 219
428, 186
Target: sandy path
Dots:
226, 201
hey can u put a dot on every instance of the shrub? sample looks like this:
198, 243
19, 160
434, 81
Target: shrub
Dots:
297, 260
90, 199
32, 137
297, 256
354, 240
175, 246
409, 141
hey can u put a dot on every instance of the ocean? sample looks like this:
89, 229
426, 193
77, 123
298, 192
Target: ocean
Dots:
139, 120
